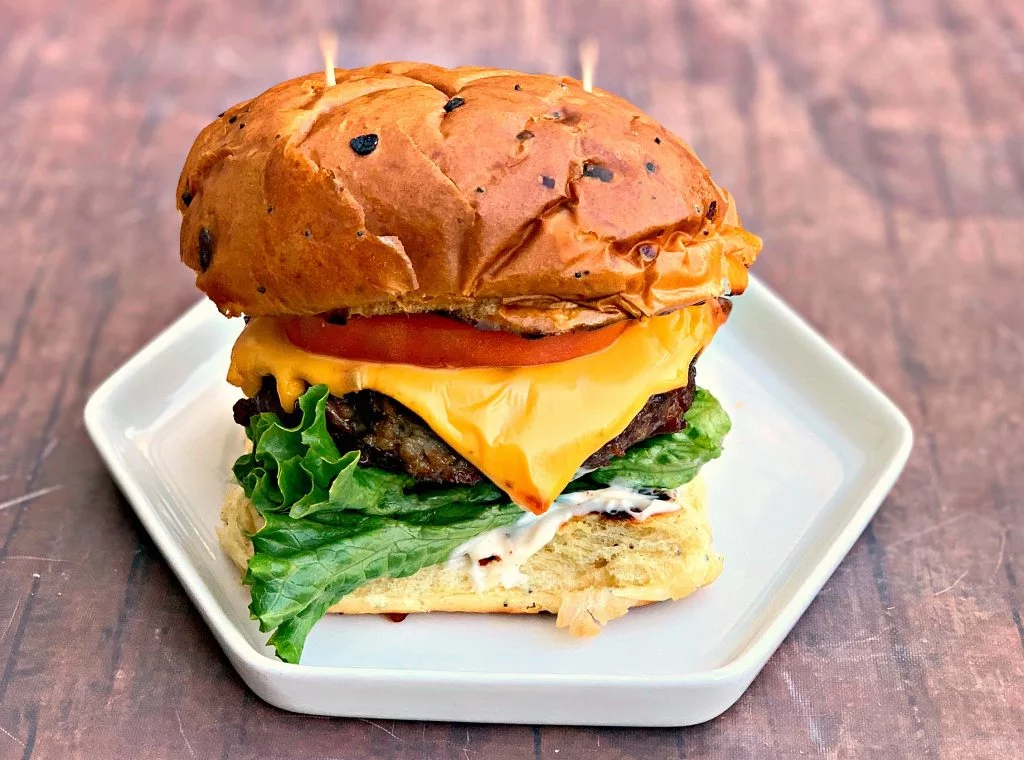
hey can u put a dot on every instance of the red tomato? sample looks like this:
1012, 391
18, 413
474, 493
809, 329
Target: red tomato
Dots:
429, 340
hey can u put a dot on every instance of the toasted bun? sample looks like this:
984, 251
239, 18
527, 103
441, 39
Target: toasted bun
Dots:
519, 200
594, 570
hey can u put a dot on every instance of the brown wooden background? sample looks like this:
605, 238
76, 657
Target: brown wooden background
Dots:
878, 147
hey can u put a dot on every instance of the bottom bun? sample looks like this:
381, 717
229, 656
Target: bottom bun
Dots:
593, 571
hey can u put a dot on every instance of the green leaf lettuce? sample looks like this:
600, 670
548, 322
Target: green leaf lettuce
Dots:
332, 525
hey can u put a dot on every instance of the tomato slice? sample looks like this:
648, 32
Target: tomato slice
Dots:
430, 340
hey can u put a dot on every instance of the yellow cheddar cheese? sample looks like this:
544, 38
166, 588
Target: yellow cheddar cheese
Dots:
528, 429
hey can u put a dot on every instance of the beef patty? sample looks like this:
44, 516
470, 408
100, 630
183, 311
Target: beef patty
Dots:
393, 437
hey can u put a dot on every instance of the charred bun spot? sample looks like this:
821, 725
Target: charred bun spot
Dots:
598, 172
364, 145
205, 248
648, 252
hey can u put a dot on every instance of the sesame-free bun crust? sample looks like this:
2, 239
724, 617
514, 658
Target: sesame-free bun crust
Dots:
519, 200
594, 570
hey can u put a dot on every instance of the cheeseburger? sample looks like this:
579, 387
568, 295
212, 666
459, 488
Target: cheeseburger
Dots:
474, 300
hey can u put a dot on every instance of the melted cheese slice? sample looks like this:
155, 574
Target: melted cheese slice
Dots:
528, 429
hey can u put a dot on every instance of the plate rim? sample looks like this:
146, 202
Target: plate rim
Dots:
742, 666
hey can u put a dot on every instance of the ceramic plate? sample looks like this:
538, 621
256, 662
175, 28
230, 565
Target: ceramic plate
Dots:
814, 449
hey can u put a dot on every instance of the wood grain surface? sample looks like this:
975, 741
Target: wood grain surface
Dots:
878, 147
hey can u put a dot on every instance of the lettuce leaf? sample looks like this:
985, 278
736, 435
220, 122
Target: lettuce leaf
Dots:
332, 525
669, 461
301, 567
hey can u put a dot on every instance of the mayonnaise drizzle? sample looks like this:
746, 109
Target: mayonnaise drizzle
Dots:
513, 545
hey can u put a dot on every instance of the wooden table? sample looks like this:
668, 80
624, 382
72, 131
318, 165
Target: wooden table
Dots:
879, 150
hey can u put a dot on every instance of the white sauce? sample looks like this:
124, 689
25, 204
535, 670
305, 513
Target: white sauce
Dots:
513, 545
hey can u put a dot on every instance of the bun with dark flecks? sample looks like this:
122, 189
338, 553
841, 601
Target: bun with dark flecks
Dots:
516, 200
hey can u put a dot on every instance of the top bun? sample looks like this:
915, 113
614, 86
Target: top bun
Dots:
519, 201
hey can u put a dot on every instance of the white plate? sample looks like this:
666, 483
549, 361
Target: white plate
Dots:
814, 449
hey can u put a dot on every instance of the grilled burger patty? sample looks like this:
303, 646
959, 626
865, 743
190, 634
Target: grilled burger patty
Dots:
391, 436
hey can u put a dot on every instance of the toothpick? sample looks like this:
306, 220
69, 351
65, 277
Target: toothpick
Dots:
328, 47
588, 62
